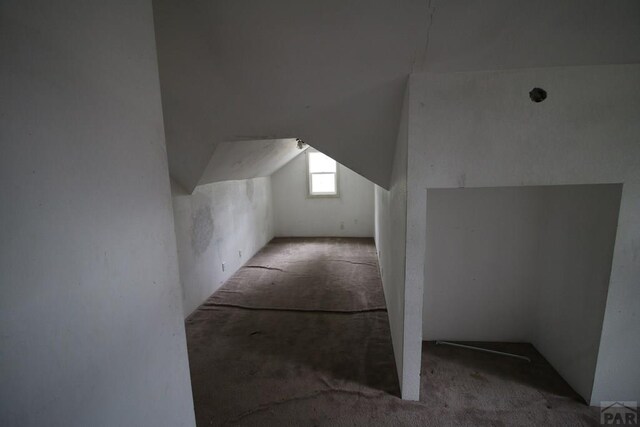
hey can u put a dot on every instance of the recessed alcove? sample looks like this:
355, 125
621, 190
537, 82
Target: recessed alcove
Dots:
523, 264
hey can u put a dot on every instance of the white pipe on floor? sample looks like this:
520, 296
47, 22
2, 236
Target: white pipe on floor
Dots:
470, 347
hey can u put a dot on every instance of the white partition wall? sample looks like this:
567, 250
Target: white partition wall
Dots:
391, 242
480, 129
91, 323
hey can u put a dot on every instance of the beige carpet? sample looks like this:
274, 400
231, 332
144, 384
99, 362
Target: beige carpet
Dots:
299, 337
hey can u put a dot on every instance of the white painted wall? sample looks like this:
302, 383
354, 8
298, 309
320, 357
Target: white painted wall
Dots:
223, 222
473, 35
91, 320
481, 130
390, 236
524, 264
575, 249
480, 266
350, 214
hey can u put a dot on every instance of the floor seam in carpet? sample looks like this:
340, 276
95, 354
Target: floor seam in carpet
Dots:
297, 310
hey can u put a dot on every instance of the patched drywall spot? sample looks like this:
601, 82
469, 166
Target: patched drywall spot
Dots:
201, 230
249, 189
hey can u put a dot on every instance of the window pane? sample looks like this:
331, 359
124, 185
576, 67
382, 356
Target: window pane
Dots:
323, 183
319, 162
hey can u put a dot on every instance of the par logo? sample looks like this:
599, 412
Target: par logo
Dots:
619, 413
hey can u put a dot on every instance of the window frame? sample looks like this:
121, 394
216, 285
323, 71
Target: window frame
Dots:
336, 175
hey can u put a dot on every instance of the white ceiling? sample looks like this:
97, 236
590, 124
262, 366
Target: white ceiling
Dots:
334, 72
331, 72
249, 159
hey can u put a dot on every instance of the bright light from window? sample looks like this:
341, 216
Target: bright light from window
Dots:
323, 183
322, 175
319, 162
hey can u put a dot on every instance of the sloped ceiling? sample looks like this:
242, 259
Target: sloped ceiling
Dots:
331, 72
334, 72
249, 159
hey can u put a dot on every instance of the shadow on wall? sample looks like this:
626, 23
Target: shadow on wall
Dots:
201, 230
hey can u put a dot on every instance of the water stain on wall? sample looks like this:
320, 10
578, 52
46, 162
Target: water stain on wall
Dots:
201, 230
249, 189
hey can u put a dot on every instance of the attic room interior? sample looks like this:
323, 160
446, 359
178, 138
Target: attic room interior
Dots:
416, 212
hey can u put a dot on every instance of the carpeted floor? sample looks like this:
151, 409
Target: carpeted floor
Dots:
300, 336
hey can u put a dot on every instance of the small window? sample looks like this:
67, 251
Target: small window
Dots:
322, 175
